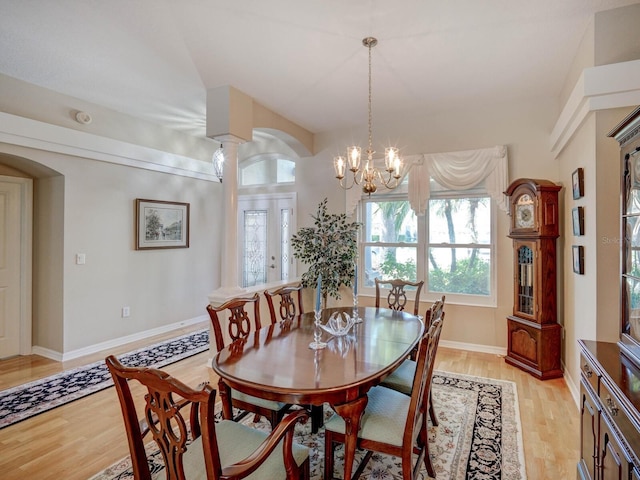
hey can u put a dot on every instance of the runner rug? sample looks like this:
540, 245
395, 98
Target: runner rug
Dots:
478, 437
29, 399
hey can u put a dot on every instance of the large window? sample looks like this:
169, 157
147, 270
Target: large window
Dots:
451, 248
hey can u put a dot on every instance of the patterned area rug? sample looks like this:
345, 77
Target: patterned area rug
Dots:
478, 436
25, 401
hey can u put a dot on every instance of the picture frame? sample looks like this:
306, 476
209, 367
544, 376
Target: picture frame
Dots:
161, 224
577, 215
577, 183
578, 259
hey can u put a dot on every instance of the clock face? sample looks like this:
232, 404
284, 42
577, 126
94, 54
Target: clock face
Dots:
524, 217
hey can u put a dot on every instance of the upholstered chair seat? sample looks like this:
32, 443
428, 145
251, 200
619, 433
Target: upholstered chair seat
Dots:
384, 419
236, 442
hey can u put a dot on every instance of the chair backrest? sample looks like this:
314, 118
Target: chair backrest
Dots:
164, 420
290, 302
239, 321
436, 329
397, 297
417, 411
434, 311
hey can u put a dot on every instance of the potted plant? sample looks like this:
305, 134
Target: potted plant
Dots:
330, 248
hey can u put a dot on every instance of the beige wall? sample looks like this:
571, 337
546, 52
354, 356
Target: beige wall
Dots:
524, 127
89, 208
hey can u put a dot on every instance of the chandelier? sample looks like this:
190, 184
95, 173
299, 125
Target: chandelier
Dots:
218, 162
369, 176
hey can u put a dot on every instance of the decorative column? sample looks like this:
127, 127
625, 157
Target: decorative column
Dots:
229, 278
229, 121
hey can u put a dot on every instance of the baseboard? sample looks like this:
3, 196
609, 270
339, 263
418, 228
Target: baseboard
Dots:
116, 342
473, 347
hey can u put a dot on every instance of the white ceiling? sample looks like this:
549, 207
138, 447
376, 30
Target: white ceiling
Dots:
304, 59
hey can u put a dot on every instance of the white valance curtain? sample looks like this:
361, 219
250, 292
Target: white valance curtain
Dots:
454, 170
459, 171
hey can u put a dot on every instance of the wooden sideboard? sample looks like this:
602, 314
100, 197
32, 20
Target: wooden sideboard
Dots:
610, 416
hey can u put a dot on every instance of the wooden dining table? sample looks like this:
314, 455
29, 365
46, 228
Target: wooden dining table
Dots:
276, 363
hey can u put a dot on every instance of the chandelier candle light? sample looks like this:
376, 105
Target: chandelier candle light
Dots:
369, 176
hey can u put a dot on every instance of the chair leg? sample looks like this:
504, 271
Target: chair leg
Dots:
432, 413
317, 418
328, 456
427, 461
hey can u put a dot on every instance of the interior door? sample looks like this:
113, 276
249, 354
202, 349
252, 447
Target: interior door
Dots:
10, 257
265, 224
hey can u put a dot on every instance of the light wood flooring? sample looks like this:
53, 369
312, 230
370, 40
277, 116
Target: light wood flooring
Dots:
79, 439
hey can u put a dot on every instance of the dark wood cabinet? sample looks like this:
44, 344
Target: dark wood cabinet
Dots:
533, 334
610, 421
610, 376
588, 434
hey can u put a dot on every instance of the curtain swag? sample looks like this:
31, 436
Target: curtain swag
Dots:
455, 170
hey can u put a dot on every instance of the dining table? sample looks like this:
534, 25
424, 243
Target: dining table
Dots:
277, 363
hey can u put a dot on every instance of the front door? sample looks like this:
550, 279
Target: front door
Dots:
265, 224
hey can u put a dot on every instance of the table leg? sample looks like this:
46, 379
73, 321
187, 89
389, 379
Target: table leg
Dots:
351, 413
225, 397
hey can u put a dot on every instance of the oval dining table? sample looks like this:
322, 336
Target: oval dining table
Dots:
276, 363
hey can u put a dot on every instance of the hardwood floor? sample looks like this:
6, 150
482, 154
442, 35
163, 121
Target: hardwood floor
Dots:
79, 439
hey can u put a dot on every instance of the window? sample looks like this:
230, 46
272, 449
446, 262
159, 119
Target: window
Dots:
451, 247
390, 240
267, 169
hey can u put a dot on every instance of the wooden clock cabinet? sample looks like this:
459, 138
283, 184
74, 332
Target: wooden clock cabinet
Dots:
610, 372
533, 334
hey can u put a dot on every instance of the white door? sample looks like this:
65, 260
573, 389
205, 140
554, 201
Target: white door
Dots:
10, 257
265, 224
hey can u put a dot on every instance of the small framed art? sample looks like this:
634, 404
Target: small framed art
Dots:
161, 224
577, 183
578, 259
577, 215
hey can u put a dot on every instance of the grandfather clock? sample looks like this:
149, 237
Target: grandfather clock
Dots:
534, 336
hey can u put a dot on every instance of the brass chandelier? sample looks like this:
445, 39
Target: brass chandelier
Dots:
369, 176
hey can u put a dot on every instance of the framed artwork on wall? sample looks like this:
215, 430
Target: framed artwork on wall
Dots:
577, 215
577, 183
161, 224
578, 259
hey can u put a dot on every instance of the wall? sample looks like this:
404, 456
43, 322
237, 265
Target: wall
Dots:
591, 301
524, 127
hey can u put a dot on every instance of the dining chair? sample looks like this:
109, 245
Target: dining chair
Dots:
290, 306
290, 302
401, 379
244, 318
393, 423
397, 296
200, 448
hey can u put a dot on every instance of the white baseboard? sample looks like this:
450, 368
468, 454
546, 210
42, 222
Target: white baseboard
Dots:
473, 347
116, 342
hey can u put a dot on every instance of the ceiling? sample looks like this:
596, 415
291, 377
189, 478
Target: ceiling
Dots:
304, 60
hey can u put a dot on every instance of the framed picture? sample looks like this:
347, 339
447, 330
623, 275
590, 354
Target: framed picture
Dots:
577, 182
578, 259
161, 224
577, 214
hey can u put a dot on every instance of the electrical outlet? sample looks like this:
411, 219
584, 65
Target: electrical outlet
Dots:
126, 311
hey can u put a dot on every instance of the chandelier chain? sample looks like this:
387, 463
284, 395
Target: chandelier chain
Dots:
368, 176
370, 152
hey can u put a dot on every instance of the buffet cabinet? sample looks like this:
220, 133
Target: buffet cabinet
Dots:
610, 418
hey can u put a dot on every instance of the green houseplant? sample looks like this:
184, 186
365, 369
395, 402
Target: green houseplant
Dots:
330, 248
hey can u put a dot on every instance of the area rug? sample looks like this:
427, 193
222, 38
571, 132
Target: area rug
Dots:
24, 401
478, 437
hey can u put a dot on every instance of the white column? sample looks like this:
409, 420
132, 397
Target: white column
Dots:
229, 275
